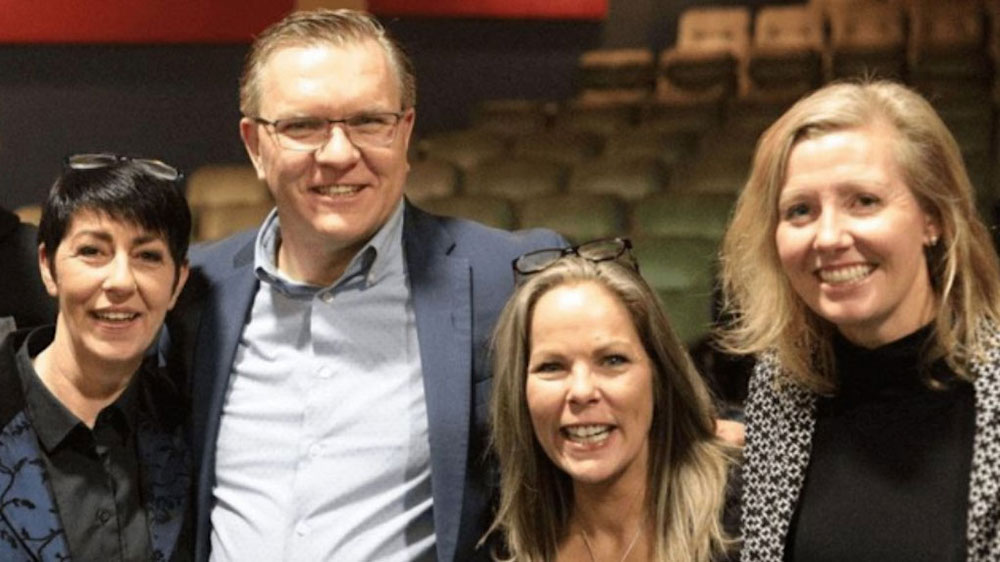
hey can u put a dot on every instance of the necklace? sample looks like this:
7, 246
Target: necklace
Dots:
631, 545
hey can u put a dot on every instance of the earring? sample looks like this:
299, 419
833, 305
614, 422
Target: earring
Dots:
931, 242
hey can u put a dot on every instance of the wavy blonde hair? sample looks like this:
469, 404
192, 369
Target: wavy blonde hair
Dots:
687, 470
768, 316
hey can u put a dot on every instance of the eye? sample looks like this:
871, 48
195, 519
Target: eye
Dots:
153, 256
300, 126
866, 200
369, 119
546, 368
796, 212
615, 360
88, 251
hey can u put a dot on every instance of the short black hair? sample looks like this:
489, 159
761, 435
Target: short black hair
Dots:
124, 191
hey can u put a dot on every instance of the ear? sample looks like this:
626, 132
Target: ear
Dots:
406, 126
45, 268
250, 133
182, 277
932, 231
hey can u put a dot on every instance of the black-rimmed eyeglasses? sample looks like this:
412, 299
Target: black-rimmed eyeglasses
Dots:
607, 249
156, 168
310, 133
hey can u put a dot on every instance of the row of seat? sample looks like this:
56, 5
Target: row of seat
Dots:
786, 50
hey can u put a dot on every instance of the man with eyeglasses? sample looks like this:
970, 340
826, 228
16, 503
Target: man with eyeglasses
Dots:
336, 358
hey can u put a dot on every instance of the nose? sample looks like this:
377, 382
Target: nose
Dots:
831, 233
338, 150
120, 278
582, 387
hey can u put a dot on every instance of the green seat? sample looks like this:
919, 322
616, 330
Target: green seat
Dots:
689, 313
696, 215
560, 146
628, 178
516, 179
596, 116
603, 69
430, 179
713, 172
465, 149
682, 271
493, 211
644, 142
512, 117
579, 218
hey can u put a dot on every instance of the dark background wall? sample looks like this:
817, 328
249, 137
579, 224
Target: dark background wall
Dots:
178, 102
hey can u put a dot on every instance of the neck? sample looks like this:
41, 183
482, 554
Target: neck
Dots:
84, 386
608, 523
316, 262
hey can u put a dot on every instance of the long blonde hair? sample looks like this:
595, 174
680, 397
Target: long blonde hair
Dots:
767, 314
687, 466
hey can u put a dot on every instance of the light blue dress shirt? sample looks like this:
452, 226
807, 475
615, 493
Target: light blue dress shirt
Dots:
323, 450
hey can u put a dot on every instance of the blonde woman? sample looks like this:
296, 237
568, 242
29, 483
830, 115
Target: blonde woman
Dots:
603, 429
858, 271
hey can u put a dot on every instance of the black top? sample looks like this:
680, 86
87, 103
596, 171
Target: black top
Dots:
888, 475
22, 294
93, 473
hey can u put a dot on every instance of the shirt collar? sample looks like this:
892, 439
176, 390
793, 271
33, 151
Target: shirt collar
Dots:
51, 420
376, 259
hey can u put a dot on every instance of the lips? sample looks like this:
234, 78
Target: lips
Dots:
845, 274
590, 433
336, 190
117, 316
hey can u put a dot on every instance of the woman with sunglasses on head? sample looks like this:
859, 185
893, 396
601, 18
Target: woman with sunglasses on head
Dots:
603, 429
857, 270
92, 464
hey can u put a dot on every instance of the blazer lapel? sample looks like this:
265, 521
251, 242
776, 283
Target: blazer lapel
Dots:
984, 493
166, 479
30, 518
223, 315
440, 287
29, 521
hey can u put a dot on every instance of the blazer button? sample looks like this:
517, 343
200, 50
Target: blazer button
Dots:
103, 515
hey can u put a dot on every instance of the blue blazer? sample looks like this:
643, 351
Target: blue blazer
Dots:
460, 278
30, 525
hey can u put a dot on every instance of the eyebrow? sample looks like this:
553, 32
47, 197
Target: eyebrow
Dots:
106, 237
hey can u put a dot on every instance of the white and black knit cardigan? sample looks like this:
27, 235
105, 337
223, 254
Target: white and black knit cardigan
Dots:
780, 422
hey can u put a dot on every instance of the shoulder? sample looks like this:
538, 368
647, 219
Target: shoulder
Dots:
477, 241
224, 255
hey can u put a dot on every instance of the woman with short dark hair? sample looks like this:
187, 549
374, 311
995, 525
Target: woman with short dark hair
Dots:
92, 462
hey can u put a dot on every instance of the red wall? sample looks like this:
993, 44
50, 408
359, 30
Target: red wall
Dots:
230, 21
137, 21
532, 9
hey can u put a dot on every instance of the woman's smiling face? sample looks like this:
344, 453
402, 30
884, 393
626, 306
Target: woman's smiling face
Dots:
589, 385
851, 236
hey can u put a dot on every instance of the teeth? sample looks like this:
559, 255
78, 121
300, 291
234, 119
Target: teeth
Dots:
588, 433
116, 316
331, 190
846, 274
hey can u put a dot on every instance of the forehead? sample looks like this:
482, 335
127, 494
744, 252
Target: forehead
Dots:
92, 221
587, 299
322, 73
850, 155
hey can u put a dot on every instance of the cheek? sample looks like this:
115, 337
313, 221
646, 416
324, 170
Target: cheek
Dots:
543, 403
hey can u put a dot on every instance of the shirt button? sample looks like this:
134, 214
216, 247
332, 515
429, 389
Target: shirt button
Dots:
302, 529
103, 515
315, 450
324, 372
326, 297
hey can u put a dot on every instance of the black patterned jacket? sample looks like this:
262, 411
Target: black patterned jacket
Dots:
780, 422
30, 524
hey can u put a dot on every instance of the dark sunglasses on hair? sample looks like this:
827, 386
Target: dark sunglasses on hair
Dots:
156, 168
607, 249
